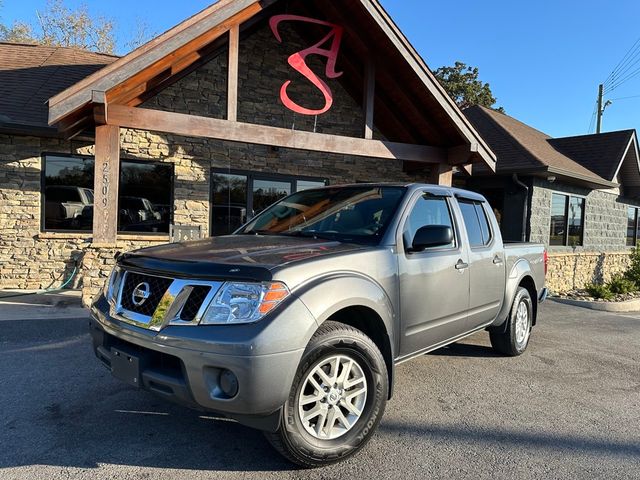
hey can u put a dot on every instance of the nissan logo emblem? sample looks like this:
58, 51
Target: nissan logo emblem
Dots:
140, 294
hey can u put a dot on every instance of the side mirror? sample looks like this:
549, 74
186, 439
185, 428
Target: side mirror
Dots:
432, 236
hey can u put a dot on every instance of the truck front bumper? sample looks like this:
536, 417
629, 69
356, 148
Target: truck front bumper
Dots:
213, 368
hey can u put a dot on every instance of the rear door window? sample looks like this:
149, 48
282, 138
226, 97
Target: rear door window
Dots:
476, 222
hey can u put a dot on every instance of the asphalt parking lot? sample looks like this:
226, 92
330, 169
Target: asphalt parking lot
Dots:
569, 408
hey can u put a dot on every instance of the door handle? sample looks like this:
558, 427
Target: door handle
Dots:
497, 260
461, 265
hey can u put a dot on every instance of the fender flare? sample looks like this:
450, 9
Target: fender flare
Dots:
326, 295
520, 270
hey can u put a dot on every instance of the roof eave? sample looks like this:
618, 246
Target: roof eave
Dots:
591, 181
80, 95
387, 25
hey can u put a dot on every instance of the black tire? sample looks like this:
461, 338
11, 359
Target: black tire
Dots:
292, 440
506, 341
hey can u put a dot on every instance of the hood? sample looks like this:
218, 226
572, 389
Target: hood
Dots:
248, 257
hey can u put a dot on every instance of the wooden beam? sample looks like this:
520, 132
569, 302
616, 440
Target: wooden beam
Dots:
195, 126
100, 109
441, 174
232, 83
106, 179
463, 154
180, 59
369, 98
157, 55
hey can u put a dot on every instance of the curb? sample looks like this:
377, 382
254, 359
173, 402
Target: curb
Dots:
614, 307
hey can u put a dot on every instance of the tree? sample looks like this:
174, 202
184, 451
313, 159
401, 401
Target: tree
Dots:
463, 84
58, 25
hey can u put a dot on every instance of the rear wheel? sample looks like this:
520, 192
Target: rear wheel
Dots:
337, 398
514, 340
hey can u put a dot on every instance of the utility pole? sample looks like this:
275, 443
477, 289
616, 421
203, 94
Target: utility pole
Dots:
600, 109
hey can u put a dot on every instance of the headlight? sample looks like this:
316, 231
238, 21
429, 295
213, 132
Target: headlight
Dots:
244, 302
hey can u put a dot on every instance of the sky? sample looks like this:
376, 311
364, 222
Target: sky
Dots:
543, 59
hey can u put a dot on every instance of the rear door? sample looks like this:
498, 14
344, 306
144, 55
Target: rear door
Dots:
486, 263
434, 284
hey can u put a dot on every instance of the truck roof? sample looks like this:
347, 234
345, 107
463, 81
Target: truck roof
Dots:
436, 189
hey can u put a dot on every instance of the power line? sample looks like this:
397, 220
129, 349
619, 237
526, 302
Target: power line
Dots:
621, 73
623, 80
624, 98
634, 48
593, 118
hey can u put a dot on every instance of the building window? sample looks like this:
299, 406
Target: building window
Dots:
145, 197
68, 193
632, 226
567, 220
239, 196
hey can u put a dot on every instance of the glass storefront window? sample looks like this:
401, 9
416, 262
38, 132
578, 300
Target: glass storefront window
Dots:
229, 209
237, 197
576, 220
567, 220
308, 185
268, 192
632, 226
145, 197
68, 193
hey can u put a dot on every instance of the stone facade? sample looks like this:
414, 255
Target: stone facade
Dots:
32, 259
570, 271
605, 222
604, 251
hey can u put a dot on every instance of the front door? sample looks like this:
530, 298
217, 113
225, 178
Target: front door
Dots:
434, 283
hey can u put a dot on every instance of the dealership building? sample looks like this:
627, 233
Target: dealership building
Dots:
248, 101
196, 131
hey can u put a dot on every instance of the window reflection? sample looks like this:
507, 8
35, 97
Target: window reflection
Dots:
268, 192
237, 196
68, 193
567, 220
145, 197
229, 203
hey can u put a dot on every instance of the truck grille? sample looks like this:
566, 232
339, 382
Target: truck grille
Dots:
194, 302
157, 288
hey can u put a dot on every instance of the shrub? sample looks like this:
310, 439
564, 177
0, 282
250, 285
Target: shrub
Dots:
599, 291
621, 284
633, 272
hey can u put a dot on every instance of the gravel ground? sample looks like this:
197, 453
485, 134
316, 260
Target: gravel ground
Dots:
569, 408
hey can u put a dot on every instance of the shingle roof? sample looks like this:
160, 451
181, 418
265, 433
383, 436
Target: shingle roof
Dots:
520, 147
600, 153
31, 74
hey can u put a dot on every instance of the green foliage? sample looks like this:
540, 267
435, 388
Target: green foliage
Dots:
619, 284
462, 83
60, 26
633, 272
599, 291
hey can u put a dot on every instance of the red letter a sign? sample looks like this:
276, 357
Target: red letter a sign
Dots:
299, 62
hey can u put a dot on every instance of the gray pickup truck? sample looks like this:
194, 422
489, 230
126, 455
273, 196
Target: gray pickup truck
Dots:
294, 324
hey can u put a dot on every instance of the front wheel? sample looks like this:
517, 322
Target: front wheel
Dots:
514, 340
337, 399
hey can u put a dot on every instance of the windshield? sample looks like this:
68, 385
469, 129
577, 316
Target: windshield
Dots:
347, 214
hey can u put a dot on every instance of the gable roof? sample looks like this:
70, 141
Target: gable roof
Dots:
177, 49
600, 153
31, 74
523, 149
